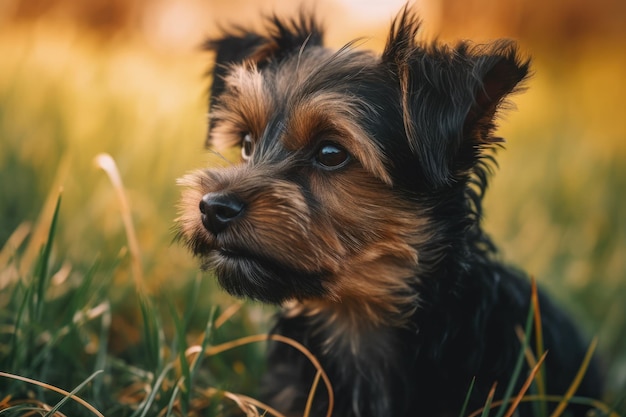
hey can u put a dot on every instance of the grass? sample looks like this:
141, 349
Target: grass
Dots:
125, 322
57, 331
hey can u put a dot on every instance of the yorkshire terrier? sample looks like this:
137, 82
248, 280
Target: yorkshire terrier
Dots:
356, 207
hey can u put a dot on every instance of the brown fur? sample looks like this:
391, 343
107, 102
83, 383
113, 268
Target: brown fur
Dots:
356, 207
367, 249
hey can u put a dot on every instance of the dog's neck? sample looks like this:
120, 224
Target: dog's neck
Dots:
366, 340
378, 293
347, 342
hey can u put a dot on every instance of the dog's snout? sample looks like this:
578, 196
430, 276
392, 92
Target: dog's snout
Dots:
219, 210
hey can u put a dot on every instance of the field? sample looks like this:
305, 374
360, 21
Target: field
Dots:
90, 284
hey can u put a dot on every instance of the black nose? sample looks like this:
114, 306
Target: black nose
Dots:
219, 210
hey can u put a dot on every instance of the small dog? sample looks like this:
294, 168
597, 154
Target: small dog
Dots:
357, 208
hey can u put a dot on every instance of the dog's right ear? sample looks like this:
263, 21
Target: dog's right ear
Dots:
238, 45
232, 48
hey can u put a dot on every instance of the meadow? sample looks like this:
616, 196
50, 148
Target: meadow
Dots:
96, 296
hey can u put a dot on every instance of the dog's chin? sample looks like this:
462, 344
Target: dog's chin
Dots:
262, 279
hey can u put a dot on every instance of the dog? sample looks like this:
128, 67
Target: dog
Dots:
356, 207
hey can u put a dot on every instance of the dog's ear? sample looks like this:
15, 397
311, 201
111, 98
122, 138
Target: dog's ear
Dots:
237, 45
450, 96
232, 48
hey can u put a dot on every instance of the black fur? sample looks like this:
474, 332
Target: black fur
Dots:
430, 108
285, 37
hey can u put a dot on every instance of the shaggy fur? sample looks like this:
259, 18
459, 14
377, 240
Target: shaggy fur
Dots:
357, 208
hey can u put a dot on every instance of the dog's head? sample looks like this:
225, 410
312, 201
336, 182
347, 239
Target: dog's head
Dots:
346, 158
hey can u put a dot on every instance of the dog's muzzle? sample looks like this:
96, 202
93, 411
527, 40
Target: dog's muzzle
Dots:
219, 210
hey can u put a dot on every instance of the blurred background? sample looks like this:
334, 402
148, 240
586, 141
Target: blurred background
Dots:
127, 77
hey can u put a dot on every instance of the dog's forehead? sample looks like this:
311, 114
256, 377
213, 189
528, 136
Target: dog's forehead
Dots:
303, 75
320, 68
313, 95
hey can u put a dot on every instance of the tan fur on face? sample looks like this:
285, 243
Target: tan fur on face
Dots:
330, 116
277, 219
366, 249
311, 118
376, 278
244, 109
346, 226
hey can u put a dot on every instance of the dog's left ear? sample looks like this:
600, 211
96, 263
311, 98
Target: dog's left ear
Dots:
450, 97
239, 45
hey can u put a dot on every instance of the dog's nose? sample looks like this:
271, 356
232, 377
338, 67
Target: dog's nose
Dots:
219, 210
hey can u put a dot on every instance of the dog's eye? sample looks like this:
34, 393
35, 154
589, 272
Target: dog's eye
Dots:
247, 147
332, 156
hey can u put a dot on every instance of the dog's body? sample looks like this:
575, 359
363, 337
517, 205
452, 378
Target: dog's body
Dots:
357, 207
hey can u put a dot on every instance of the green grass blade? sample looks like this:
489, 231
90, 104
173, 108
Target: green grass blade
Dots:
65, 399
80, 296
151, 333
487, 407
170, 404
144, 408
467, 398
21, 410
208, 333
100, 361
518, 365
41, 272
185, 382
540, 407
18, 332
